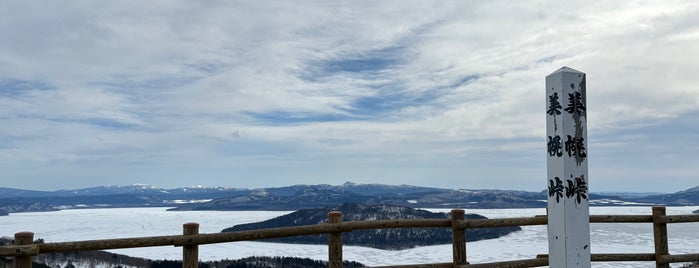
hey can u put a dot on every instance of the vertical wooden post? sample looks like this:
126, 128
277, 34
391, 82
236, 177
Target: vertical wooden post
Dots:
458, 237
335, 242
567, 177
660, 236
23, 238
190, 253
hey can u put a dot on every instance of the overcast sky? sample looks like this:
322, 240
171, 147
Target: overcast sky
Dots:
274, 93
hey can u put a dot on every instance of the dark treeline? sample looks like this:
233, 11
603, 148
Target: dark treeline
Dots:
390, 239
258, 262
107, 259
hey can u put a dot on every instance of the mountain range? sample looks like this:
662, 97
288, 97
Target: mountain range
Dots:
297, 197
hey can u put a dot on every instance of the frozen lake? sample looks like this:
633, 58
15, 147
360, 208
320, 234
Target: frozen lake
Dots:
89, 224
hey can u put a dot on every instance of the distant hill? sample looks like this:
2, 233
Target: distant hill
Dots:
689, 197
393, 239
11, 192
365, 189
18, 200
13, 205
297, 197
312, 196
135, 189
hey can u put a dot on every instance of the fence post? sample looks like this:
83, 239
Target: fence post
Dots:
660, 236
458, 237
335, 242
190, 253
23, 238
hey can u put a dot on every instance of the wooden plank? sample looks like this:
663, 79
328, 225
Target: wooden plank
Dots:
674, 258
510, 264
201, 239
613, 257
19, 250
492, 223
428, 265
403, 223
621, 218
680, 218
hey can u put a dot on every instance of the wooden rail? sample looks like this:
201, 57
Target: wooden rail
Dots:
23, 250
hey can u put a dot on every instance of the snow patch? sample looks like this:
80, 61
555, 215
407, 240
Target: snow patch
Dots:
181, 201
616, 202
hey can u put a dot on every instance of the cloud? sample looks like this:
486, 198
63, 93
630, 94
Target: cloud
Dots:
303, 91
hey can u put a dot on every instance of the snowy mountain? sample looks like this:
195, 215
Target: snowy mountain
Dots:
313, 196
137, 195
689, 197
118, 189
303, 196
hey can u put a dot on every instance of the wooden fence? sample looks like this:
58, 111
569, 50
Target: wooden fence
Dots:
24, 249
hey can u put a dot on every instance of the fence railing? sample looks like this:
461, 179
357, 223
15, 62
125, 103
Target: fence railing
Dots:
24, 249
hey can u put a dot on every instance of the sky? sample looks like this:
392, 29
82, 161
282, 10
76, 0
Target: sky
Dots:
273, 93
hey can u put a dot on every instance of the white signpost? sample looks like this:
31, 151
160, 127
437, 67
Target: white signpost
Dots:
566, 129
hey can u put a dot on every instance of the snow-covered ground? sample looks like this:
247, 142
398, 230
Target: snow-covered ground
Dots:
89, 224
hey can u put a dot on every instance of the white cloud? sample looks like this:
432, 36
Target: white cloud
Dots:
320, 84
